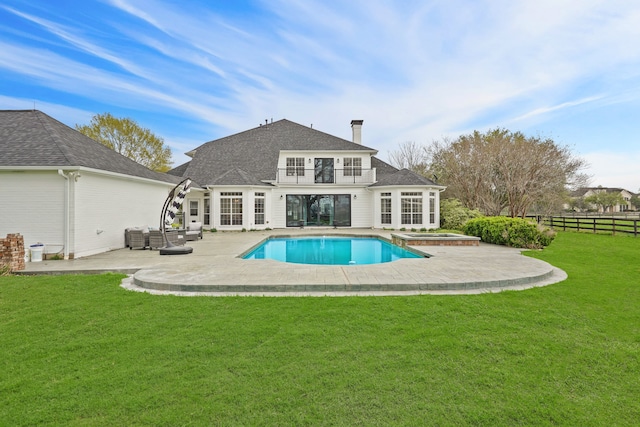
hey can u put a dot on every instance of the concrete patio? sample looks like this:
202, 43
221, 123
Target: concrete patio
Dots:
215, 269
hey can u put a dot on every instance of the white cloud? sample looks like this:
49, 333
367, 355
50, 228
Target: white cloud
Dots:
412, 70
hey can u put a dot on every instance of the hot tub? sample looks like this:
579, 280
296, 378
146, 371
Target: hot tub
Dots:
434, 239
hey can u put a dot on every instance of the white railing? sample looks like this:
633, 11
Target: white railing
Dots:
340, 176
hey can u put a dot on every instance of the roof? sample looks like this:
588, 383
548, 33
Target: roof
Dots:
580, 192
382, 168
402, 177
255, 152
31, 138
238, 177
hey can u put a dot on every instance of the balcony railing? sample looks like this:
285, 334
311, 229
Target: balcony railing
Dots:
339, 176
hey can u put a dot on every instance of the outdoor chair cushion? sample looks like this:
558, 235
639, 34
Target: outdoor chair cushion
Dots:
194, 230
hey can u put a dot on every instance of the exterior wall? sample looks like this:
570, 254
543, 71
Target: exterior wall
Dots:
105, 205
33, 206
275, 205
361, 205
396, 219
367, 177
336, 155
365, 205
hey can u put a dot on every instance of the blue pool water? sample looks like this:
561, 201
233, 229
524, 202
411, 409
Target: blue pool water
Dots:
329, 250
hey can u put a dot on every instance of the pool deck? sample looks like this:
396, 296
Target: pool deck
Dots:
214, 269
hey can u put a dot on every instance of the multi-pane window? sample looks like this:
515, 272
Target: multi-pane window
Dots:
295, 166
207, 210
352, 166
411, 208
432, 207
385, 208
259, 208
230, 208
193, 208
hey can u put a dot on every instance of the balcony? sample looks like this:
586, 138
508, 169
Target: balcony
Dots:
301, 176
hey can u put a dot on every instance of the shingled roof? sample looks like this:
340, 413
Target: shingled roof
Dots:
403, 177
30, 138
255, 152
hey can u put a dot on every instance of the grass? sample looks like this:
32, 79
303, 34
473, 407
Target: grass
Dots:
81, 351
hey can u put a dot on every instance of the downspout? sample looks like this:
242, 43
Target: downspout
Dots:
66, 213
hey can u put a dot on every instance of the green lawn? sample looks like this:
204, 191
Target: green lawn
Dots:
80, 350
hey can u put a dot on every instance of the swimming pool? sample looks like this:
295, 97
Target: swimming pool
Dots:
329, 250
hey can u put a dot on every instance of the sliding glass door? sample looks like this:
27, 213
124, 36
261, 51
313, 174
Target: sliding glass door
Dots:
319, 210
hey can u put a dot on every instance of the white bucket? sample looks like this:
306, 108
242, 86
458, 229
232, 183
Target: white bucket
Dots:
36, 252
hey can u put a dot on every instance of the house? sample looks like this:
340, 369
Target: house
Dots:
69, 192
582, 193
283, 174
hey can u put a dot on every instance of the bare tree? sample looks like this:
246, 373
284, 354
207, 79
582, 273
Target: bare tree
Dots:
501, 170
466, 167
410, 155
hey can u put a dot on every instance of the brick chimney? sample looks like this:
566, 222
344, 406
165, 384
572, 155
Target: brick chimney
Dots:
356, 129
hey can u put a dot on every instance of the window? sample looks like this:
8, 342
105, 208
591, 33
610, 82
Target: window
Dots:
432, 207
411, 208
207, 210
295, 166
352, 166
259, 208
323, 171
193, 208
230, 208
385, 208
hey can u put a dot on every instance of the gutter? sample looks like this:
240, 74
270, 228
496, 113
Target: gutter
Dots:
67, 215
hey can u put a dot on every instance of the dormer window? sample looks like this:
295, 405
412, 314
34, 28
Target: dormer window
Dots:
352, 166
295, 166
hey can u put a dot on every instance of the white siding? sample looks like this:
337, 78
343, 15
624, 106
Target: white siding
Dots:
33, 206
106, 205
396, 208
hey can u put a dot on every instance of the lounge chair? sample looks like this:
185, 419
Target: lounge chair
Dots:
194, 230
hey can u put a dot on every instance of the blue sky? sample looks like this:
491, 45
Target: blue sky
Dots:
193, 71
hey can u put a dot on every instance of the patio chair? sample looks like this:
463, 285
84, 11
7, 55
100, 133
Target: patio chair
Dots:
194, 230
156, 240
138, 239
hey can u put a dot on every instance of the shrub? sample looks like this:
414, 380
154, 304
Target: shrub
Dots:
514, 232
214, 230
453, 215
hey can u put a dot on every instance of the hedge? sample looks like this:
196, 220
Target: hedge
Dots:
514, 232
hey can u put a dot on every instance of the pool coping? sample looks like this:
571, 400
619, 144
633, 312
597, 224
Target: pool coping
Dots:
214, 265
